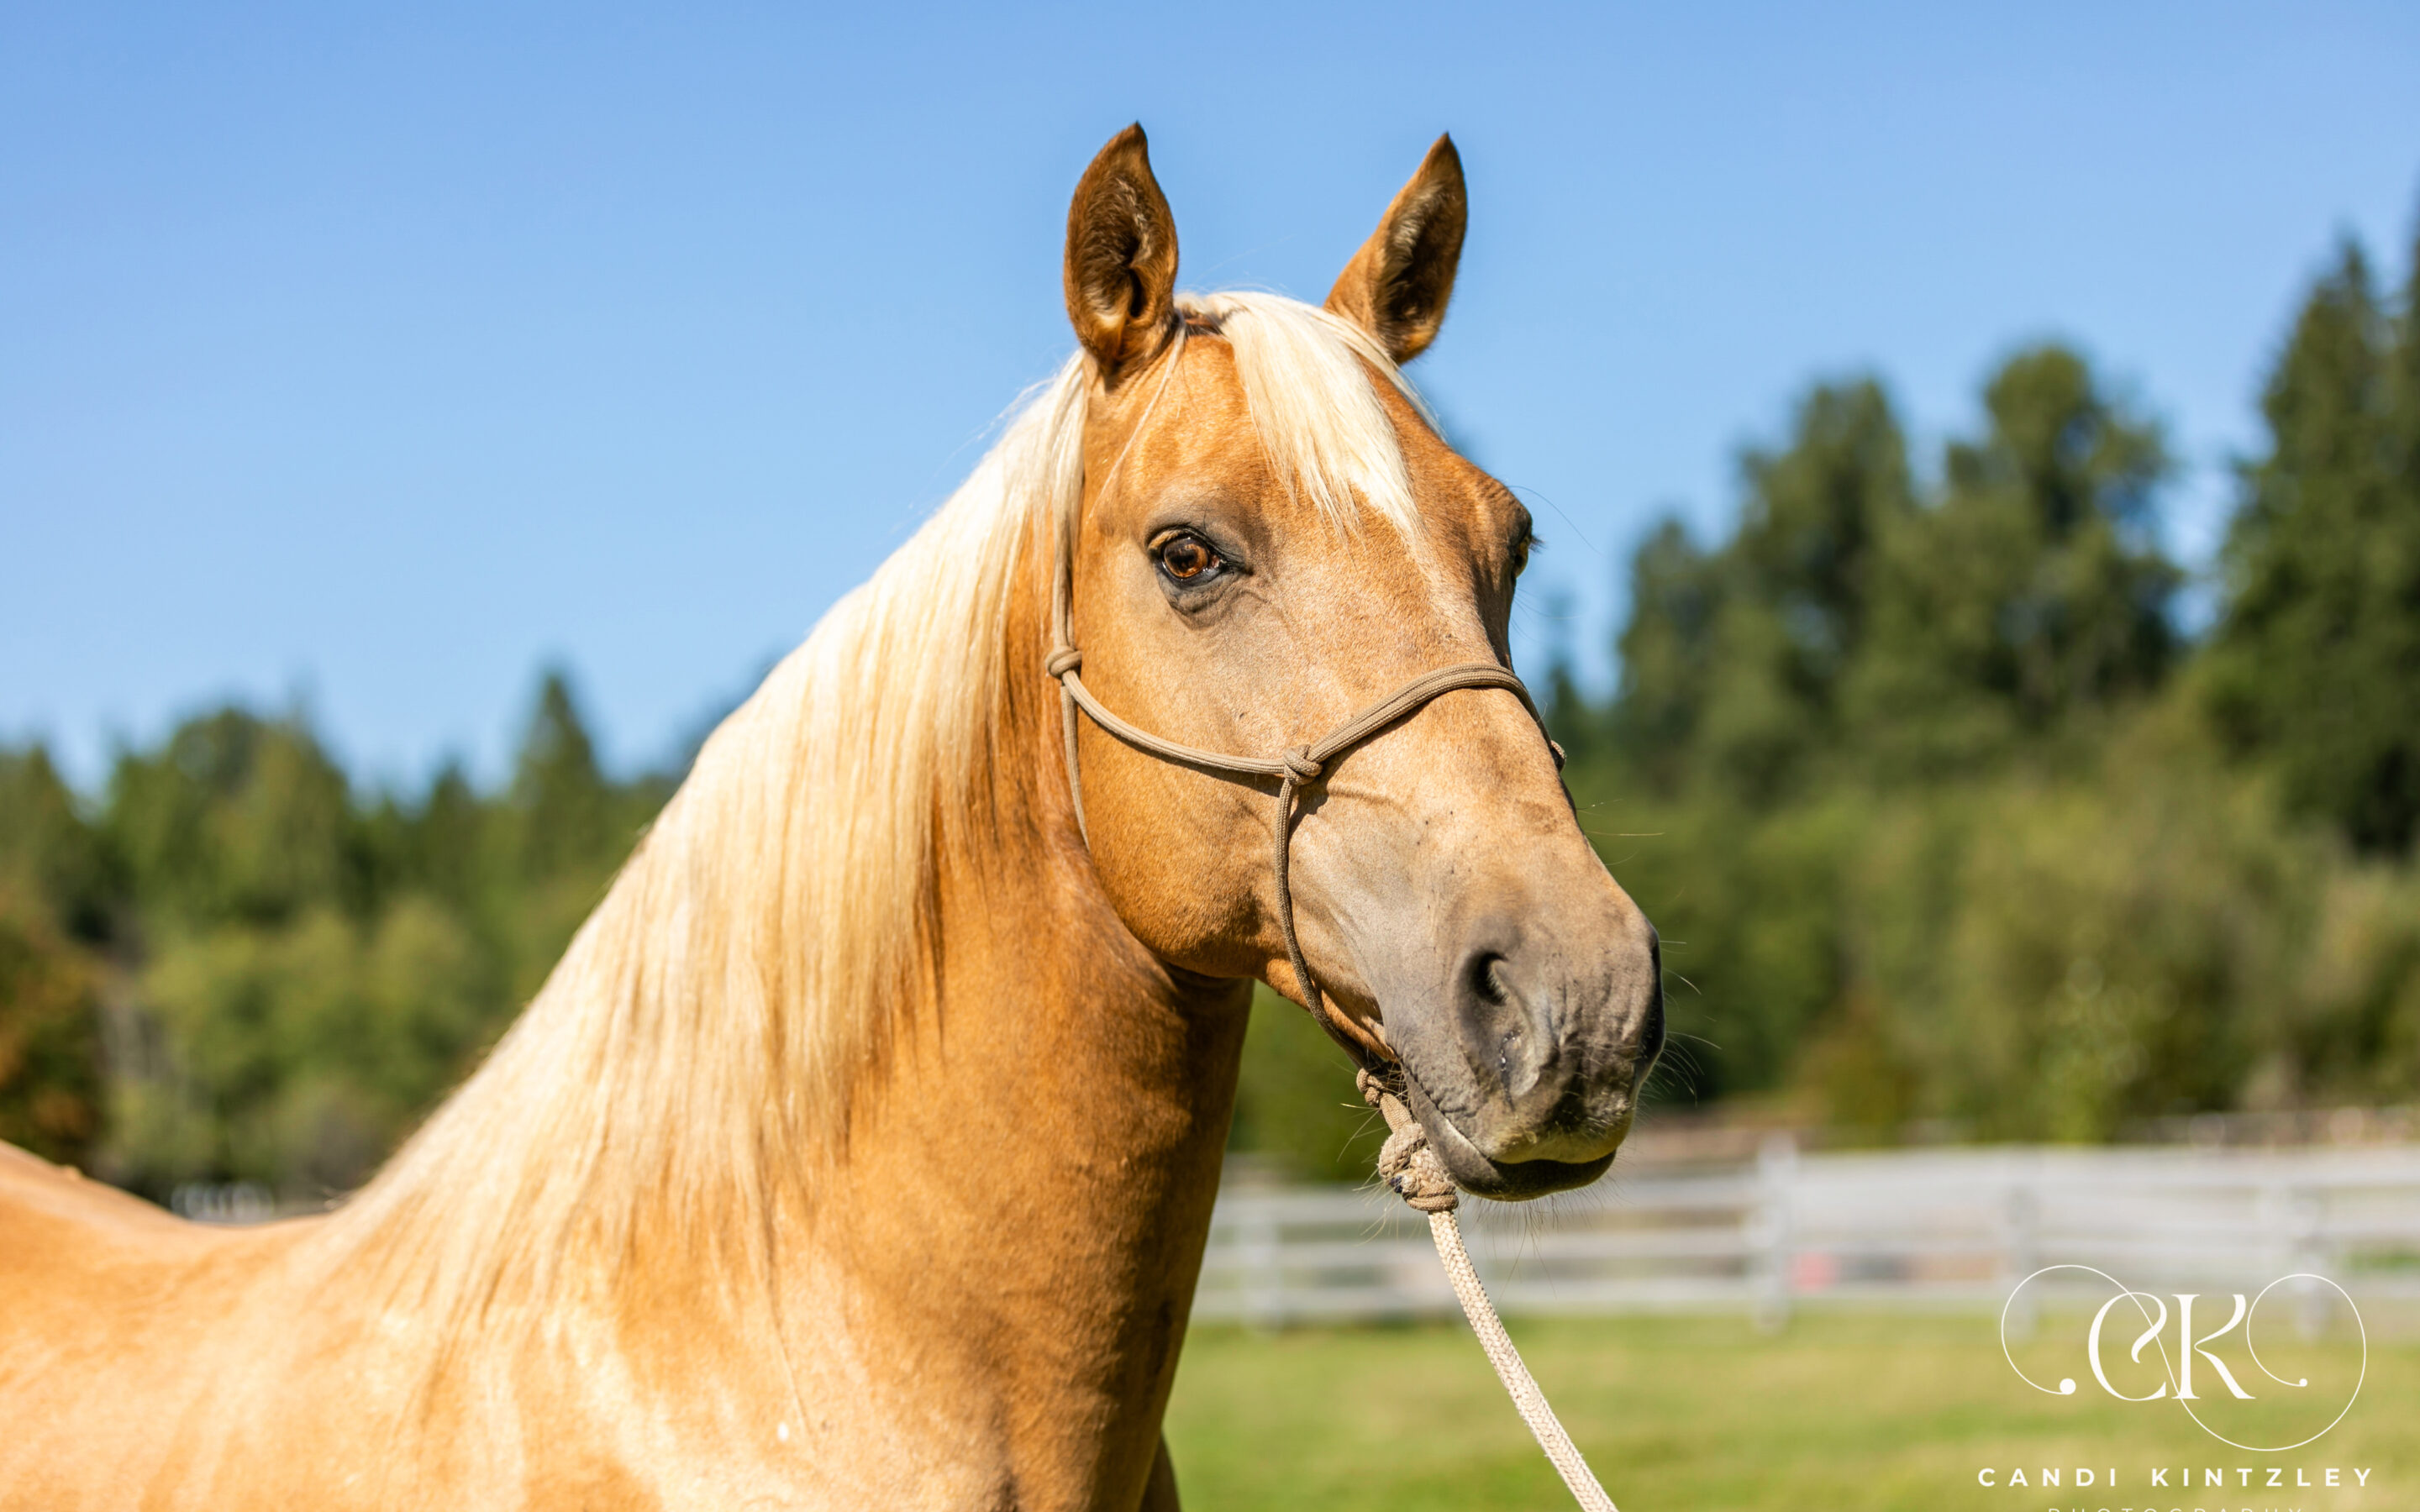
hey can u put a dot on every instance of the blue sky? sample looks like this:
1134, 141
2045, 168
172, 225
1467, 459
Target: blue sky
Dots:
372, 357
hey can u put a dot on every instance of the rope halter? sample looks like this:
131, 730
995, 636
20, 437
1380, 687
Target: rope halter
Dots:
1291, 768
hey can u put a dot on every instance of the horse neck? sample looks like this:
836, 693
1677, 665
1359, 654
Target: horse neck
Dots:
1026, 1190
1017, 1206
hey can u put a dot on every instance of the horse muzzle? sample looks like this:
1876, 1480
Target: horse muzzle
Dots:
1526, 1069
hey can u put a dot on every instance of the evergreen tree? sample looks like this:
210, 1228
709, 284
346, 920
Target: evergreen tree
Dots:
563, 812
1732, 662
1813, 519
49, 856
2317, 662
236, 818
446, 839
2032, 590
1666, 650
1797, 578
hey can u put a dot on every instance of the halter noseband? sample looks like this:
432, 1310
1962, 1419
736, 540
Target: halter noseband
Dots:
1292, 768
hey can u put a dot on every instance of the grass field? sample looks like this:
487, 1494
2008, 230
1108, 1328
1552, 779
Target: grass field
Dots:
1866, 1411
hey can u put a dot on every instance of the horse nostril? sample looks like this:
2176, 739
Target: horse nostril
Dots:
1505, 1029
1486, 983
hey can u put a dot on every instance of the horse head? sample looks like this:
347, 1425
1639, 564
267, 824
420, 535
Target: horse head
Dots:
1273, 533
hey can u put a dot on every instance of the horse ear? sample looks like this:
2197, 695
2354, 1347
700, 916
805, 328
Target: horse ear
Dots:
1396, 286
1121, 271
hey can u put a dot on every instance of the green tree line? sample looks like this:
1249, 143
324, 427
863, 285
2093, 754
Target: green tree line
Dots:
234, 963
1946, 819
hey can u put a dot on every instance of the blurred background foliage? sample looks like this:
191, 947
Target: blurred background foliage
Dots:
1946, 820
1954, 824
236, 963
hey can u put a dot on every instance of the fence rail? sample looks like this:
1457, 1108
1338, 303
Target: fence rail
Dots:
1948, 1227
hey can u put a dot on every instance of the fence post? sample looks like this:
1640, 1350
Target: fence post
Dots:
223, 1202
1262, 1276
1769, 1235
2313, 1302
2020, 1256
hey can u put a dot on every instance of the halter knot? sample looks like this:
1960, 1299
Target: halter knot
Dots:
1299, 761
1409, 1167
1062, 662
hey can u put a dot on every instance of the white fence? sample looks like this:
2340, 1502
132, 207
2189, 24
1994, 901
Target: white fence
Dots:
1948, 1227
223, 1202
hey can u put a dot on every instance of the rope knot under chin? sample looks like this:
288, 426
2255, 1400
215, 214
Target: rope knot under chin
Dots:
1299, 761
1062, 662
1409, 1167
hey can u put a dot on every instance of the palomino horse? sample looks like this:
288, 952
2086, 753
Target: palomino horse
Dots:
860, 1151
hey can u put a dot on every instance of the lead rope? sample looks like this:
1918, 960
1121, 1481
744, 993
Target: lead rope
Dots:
1413, 1172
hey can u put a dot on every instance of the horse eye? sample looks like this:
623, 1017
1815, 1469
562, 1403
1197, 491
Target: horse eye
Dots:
1188, 558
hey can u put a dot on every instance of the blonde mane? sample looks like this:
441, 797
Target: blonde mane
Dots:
698, 1047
